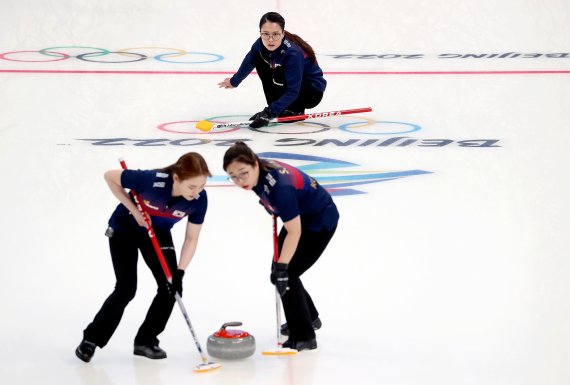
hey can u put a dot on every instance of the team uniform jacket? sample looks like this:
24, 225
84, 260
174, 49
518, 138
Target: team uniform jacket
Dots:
289, 67
287, 192
154, 188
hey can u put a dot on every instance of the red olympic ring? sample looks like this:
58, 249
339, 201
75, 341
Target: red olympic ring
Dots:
197, 132
64, 56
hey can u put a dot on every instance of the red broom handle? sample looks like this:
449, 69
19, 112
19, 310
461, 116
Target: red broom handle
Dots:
312, 115
275, 240
322, 114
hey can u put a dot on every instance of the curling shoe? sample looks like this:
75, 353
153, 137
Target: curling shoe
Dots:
316, 326
85, 350
301, 345
153, 352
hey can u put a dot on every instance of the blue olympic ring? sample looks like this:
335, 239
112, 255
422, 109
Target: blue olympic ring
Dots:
345, 127
164, 57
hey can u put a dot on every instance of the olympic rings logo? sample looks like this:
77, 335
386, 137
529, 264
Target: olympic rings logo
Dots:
363, 126
102, 55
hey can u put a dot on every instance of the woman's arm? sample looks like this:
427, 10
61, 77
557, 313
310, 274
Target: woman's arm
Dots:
189, 245
291, 241
113, 179
247, 65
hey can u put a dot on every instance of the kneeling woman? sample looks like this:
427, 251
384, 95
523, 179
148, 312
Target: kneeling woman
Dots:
309, 218
168, 195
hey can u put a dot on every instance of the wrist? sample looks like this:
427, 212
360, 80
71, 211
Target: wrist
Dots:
281, 266
269, 113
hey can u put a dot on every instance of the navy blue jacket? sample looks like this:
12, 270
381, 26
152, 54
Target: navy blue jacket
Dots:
296, 67
288, 192
155, 192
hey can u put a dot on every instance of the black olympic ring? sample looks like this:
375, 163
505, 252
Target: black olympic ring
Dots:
140, 55
325, 127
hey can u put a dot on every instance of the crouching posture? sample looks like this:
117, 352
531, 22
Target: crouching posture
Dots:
309, 218
167, 195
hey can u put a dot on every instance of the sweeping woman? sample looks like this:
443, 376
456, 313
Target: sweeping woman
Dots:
167, 195
309, 217
287, 66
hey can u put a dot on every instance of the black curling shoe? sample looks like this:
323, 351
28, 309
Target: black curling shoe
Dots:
301, 345
316, 326
85, 350
149, 351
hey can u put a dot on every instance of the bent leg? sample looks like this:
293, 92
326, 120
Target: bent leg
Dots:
161, 308
300, 310
124, 254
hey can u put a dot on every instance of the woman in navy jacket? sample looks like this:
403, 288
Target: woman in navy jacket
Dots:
309, 218
287, 66
167, 195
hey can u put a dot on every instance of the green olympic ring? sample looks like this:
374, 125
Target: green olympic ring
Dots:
45, 50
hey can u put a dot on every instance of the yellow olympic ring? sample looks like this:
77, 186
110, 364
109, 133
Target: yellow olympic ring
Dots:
369, 122
181, 52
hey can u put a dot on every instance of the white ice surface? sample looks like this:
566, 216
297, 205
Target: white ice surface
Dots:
454, 277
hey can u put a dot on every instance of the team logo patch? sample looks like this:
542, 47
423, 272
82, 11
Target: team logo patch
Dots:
271, 180
179, 214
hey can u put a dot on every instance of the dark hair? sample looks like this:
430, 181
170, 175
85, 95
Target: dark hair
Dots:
240, 152
274, 17
188, 166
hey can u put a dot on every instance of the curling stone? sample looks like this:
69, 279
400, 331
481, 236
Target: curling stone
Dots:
231, 344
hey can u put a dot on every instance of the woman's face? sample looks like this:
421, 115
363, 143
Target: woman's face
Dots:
271, 35
188, 188
243, 175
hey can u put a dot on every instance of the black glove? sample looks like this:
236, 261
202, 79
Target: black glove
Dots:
280, 277
262, 118
176, 285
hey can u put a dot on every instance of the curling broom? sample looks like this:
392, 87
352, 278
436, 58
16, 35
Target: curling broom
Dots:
204, 125
280, 350
206, 365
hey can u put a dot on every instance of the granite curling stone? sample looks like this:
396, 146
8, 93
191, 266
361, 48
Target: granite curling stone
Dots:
231, 344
